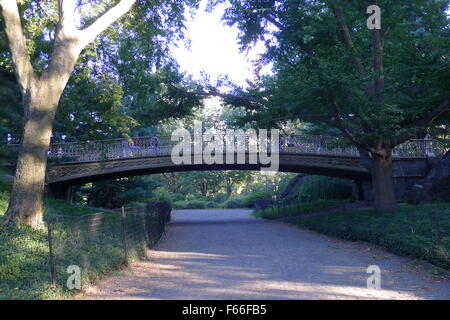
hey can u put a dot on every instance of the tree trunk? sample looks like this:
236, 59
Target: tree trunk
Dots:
229, 187
27, 195
383, 183
203, 188
41, 94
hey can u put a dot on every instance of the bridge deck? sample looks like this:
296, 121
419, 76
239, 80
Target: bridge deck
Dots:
89, 161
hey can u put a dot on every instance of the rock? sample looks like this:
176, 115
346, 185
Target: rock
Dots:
293, 188
435, 185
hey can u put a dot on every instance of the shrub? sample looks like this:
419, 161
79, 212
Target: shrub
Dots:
212, 204
327, 188
164, 195
220, 197
194, 204
251, 198
234, 203
297, 209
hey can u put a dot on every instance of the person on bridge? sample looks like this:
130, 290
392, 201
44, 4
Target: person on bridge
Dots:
290, 140
321, 143
136, 146
126, 150
155, 145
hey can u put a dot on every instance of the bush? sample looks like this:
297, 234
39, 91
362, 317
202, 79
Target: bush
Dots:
220, 197
326, 188
234, 203
164, 195
251, 198
192, 204
212, 204
297, 209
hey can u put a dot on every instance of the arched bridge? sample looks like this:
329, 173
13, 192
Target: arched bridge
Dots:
82, 162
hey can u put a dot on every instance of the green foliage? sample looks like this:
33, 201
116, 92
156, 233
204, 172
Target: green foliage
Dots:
162, 194
24, 268
24, 253
125, 78
297, 209
195, 204
409, 231
315, 77
251, 198
220, 200
119, 192
11, 108
319, 187
235, 203
272, 184
4, 200
219, 197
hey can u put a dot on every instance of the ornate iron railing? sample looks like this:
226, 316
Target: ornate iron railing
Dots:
162, 146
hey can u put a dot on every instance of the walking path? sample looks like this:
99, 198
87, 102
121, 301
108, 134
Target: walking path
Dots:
227, 254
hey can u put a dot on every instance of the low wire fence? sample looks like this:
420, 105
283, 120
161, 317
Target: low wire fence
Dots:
87, 246
418, 231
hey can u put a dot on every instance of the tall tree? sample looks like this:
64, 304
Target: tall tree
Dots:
379, 87
41, 93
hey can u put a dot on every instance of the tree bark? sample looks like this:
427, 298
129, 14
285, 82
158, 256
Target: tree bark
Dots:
229, 187
41, 94
26, 200
204, 188
383, 183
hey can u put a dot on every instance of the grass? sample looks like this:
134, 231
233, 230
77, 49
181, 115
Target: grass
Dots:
24, 262
298, 209
411, 231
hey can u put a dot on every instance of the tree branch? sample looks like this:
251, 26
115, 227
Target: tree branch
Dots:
300, 42
66, 10
346, 131
274, 22
218, 94
425, 122
317, 117
377, 45
104, 21
17, 44
337, 10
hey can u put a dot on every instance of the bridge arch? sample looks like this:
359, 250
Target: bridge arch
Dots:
79, 163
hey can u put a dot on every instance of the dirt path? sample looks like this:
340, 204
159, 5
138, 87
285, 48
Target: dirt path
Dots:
226, 254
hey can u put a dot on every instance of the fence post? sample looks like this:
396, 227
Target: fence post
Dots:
50, 252
144, 224
278, 208
124, 236
437, 225
346, 215
162, 223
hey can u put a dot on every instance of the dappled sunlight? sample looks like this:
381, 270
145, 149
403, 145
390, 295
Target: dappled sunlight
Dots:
187, 281
271, 260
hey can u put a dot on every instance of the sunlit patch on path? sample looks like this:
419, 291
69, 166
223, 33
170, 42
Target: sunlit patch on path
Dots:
226, 254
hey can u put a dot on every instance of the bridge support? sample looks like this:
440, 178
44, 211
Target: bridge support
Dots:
58, 190
358, 190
